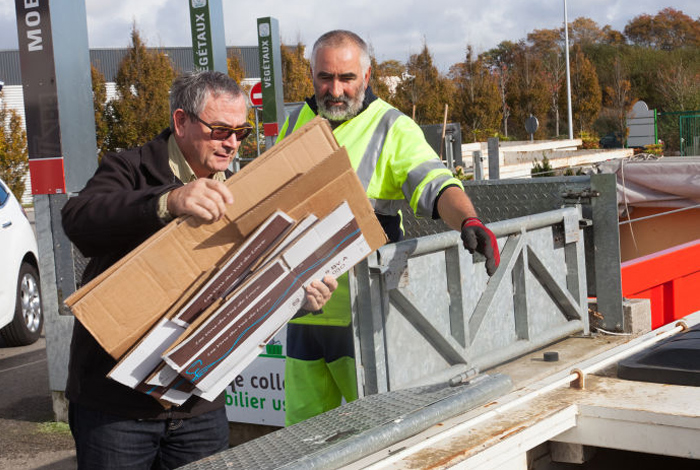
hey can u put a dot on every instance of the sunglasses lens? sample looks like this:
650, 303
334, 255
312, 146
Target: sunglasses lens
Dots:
221, 133
243, 132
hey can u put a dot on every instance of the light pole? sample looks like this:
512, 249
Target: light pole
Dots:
568, 73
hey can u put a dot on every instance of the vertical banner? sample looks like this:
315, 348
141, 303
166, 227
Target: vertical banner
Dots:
201, 35
208, 42
271, 78
40, 96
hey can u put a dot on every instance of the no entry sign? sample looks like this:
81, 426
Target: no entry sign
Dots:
256, 94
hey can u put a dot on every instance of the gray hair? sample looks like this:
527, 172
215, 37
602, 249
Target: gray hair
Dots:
189, 91
341, 37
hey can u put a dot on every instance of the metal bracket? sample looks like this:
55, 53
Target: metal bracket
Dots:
580, 381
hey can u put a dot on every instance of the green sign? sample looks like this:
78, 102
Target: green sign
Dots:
270, 75
201, 35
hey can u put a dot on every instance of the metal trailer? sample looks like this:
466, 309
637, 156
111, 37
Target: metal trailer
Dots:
555, 412
451, 365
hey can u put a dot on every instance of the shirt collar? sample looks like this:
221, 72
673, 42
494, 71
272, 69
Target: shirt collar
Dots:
181, 169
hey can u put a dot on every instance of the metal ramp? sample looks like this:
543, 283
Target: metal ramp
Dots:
346, 434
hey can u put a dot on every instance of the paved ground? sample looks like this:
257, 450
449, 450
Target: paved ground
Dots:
29, 437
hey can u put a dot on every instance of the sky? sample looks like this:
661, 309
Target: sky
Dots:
394, 29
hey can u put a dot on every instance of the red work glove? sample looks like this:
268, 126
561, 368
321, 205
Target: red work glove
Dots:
477, 237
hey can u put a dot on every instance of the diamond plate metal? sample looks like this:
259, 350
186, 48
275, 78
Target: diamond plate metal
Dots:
345, 434
497, 200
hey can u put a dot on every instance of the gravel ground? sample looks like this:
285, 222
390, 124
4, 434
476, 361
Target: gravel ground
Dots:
30, 439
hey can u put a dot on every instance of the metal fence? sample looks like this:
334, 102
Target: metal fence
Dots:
689, 129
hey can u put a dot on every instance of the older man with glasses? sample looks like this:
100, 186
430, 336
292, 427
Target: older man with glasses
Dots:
132, 195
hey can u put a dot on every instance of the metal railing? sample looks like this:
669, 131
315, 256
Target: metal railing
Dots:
425, 311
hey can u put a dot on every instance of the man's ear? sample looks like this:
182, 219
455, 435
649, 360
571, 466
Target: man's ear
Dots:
179, 118
368, 75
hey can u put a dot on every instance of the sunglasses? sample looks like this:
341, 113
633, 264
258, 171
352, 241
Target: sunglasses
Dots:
224, 132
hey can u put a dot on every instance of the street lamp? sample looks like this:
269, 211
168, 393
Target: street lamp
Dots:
568, 73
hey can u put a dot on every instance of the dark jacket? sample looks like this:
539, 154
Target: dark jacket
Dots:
112, 215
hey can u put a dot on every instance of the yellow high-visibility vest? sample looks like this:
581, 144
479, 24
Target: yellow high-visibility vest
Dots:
394, 162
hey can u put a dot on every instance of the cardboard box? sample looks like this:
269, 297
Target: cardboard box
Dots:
233, 330
224, 348
306, 173
205, 295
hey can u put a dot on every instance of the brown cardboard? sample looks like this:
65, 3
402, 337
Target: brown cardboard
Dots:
305, 173
335, 244
223, 340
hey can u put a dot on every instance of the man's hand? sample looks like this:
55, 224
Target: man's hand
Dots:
318, 293
477, 237
203, 198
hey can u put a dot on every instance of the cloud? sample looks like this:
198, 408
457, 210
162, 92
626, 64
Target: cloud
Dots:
395, 29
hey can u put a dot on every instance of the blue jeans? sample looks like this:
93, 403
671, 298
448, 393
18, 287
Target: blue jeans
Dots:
108, 442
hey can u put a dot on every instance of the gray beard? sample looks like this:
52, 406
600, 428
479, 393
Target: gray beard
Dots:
350, 109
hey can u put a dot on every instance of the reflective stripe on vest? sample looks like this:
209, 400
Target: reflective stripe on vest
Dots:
420, 185
386, 206
365, 170
418, 175
293, 118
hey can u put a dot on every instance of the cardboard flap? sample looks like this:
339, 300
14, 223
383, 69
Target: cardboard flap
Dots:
306, 173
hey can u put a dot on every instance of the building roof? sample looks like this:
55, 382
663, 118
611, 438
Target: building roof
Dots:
107, 61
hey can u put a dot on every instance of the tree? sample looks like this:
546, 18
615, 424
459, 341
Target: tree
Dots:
679, 85
639, 31
424, 92
427, 93
528, 95
541, 170
234, 68
13, 150
548, 45
544, 41
476, 103
296, 79
99, 102
391, 68
141, 110
553, 73
669, 29
501, 60
380, 82
585, 31
612, 36
386, 77
618, 97
586, 96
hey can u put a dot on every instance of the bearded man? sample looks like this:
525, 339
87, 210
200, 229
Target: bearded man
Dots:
394, 163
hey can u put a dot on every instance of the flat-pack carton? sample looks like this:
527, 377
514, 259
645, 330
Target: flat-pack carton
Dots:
176, 358
307, 173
